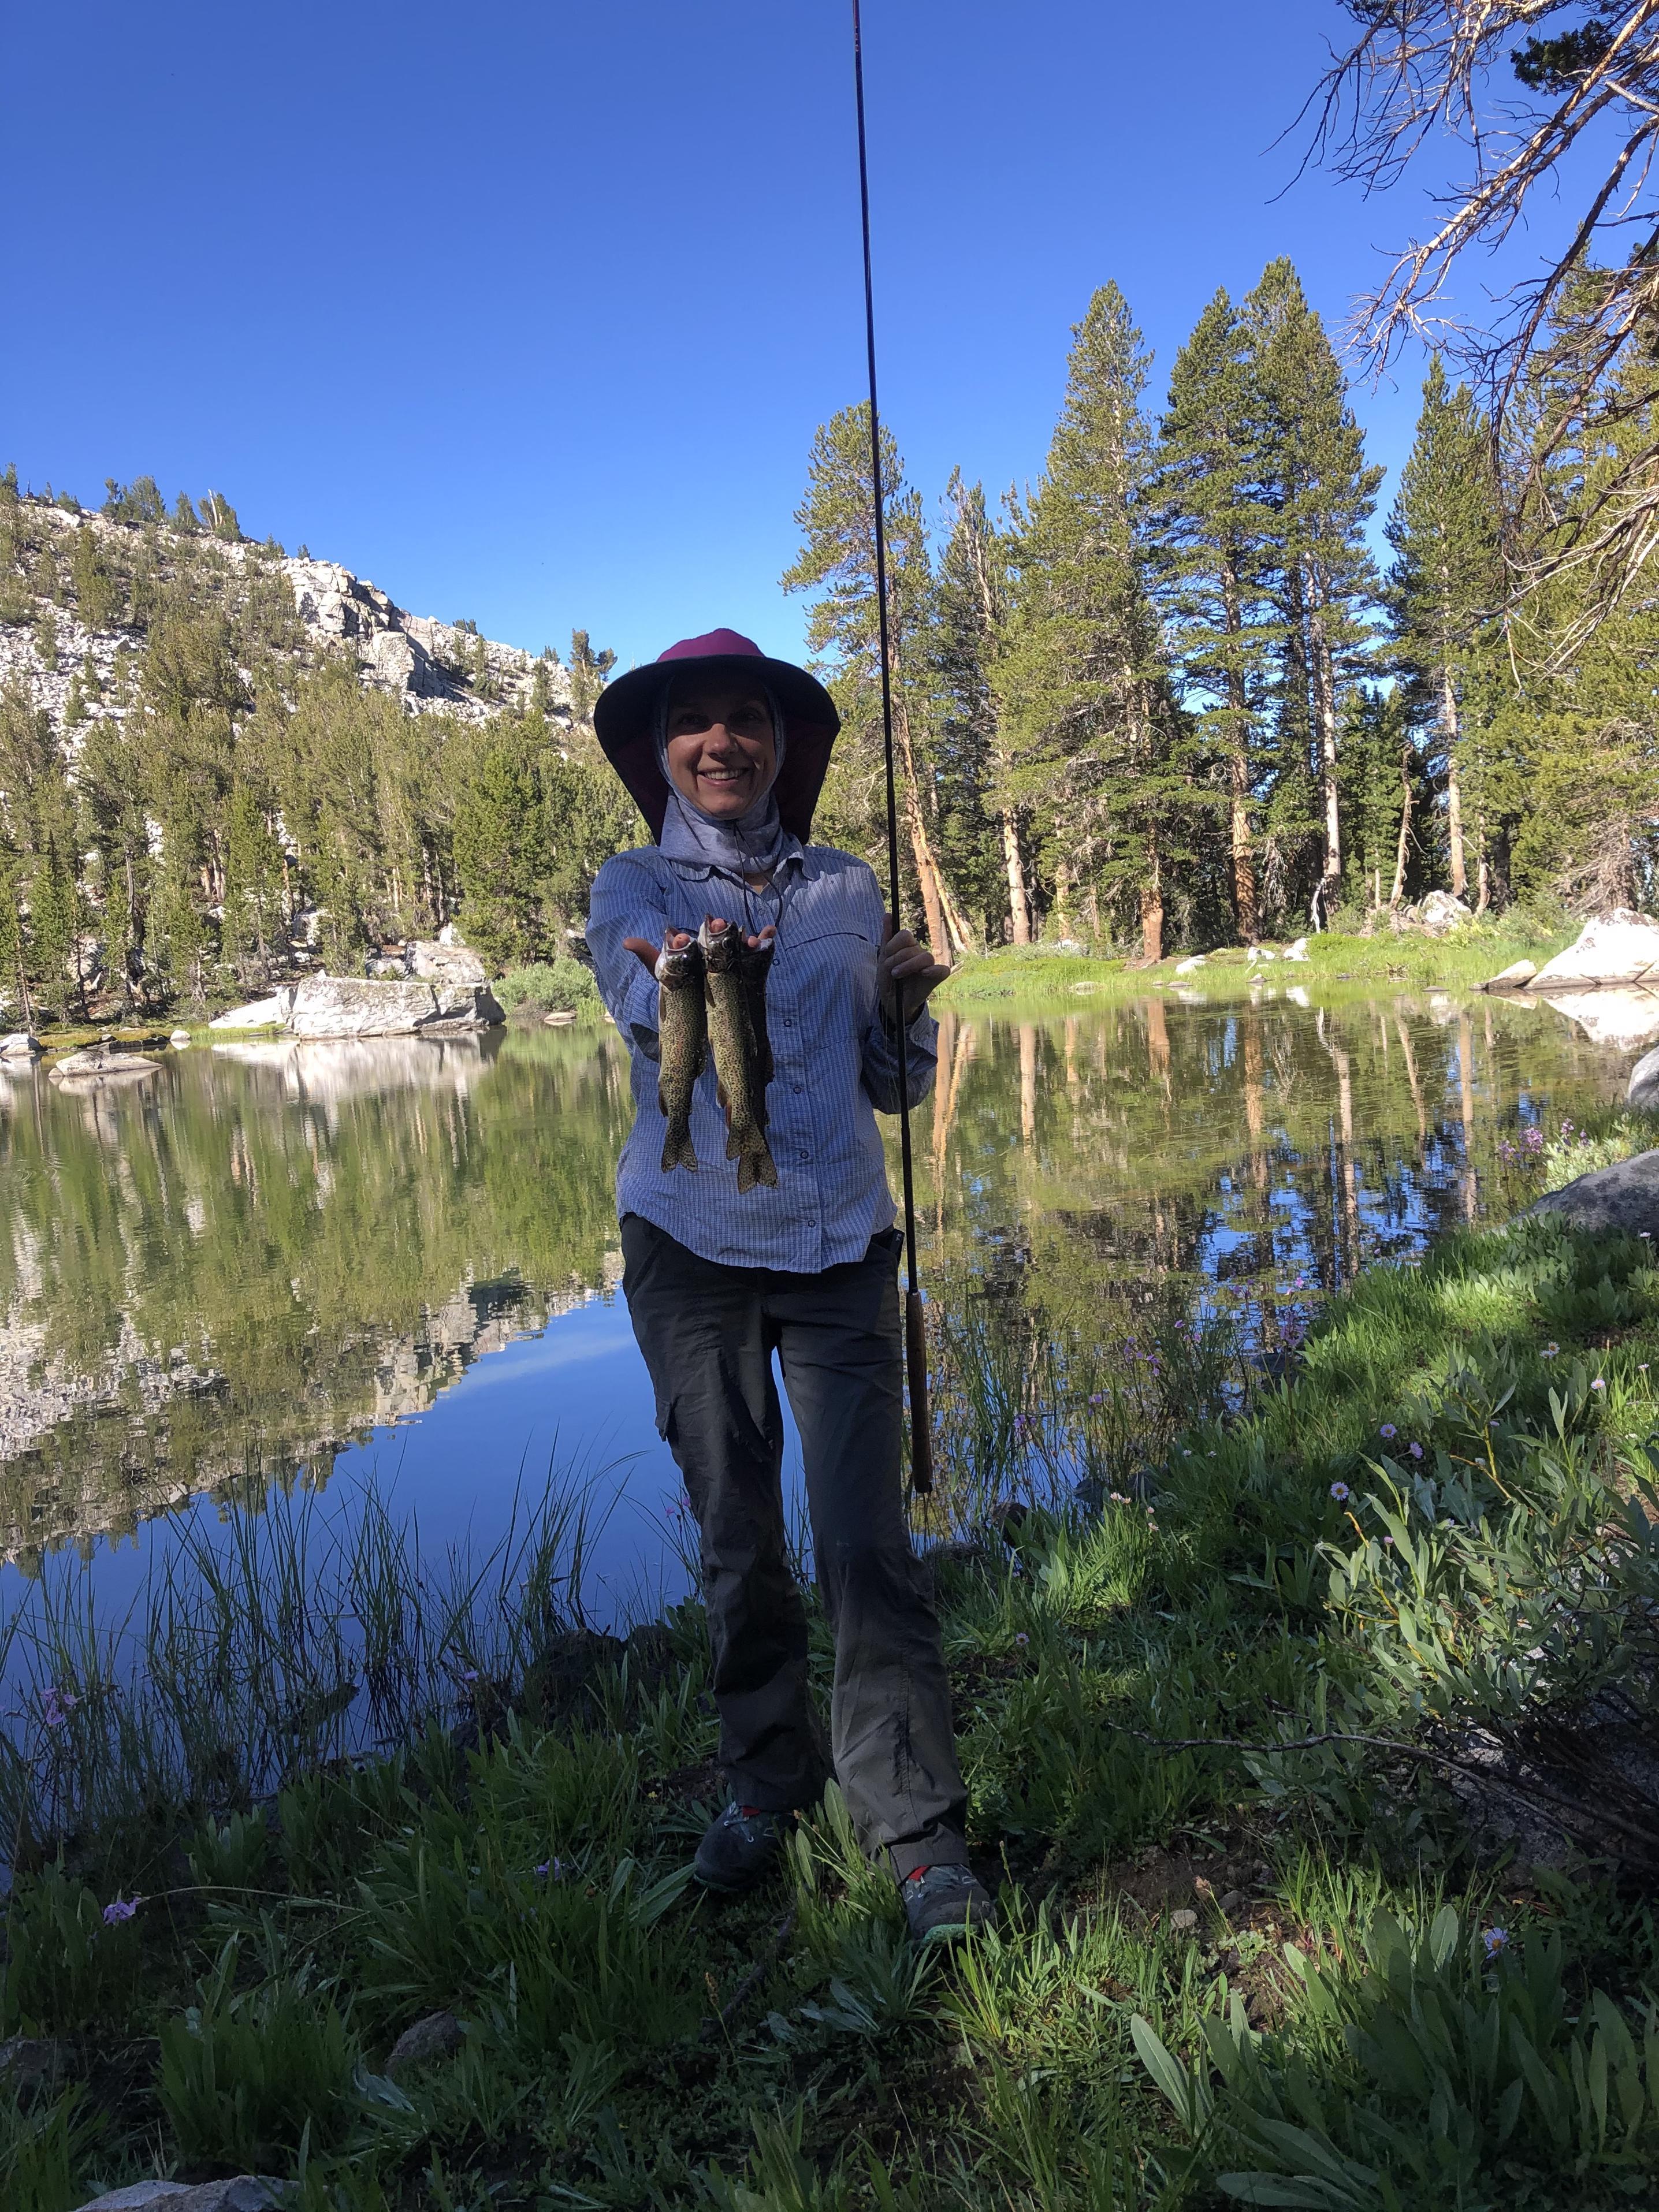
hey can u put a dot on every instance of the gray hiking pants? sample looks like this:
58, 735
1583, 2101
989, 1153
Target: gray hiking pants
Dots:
708, 1332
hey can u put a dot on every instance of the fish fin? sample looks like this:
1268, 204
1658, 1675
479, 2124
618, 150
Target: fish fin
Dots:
746, 1175
679, 1152
765, 1166
735, 1148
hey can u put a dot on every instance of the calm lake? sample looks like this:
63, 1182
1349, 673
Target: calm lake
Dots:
396, 1262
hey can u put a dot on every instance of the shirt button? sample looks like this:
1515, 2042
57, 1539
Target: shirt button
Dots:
798, 1088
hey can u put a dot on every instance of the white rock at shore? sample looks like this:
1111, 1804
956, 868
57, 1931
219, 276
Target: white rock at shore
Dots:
1515, 977
99, 1062
1621, 947
1440, 913
447, 963
259, 1014
1190, 965
20, 1045
341, 1007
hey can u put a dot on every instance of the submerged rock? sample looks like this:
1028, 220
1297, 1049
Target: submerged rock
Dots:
1621, 947
1623, 1198
99, 1062
341, 1007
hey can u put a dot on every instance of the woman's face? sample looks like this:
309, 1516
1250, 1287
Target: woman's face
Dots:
721, 755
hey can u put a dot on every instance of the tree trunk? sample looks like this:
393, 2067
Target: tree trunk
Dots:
1395, 895
1152, 904
1245, 909
1019, 909
1483, 873
1325, 707
946, 928
1454, 787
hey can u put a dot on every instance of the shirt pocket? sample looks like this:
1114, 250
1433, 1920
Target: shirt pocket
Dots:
837, 981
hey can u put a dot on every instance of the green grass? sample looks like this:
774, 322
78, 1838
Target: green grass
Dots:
1462, 961
1262, 1937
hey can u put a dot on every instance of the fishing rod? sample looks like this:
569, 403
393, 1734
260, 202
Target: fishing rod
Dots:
915, 1332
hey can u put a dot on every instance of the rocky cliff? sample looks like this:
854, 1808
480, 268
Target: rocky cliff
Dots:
51, 642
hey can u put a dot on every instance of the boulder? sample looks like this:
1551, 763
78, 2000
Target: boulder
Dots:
1298, 951
1440, 914
180, 1039
1623, 1198
1621, 947
268, 1013
561, 1017
440, 2035
99, 1063
244, 2192
1515, 977
341, 1007
20, 1045
449, 964
30, 2063
1190, 965
1644, 1092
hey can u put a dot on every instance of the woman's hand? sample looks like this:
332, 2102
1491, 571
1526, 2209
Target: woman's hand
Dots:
644, 951
905, 965
676, 941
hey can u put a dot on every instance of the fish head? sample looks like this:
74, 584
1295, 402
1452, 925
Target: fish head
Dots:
721, 944
681, 969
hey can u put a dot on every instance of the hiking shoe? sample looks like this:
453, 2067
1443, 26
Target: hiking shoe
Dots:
945, 1901
738, 1850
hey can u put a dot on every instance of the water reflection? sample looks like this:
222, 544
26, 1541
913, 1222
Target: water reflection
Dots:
273, 1254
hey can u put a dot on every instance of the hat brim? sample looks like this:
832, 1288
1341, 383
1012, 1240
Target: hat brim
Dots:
625, 723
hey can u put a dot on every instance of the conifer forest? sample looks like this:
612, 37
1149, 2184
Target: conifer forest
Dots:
1165, 697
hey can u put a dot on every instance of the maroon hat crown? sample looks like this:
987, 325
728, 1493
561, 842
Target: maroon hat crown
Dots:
624, 720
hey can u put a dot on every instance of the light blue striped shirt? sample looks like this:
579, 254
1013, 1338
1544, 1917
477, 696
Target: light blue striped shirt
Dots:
835, 1062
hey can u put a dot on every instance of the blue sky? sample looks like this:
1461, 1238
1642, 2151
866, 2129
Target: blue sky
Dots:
529, 312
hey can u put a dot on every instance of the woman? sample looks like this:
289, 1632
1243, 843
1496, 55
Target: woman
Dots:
725, 753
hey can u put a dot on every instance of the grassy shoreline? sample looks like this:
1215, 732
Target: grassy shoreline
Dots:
1462, 961
1253, 1744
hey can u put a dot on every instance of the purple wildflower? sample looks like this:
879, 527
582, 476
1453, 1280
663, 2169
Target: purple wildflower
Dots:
55, 1707
1598, 1384
1022, 1638
1495, 1940
1416, 1450
1341, 1491
1388, 1429
1550, 1351
122, 1908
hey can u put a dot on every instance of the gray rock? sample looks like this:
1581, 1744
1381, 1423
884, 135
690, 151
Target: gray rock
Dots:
440, 2035
1623, 1198
339, 1006
244, 2192
446, 963
20, 1045
1440, 914
1621, 947
100, 1062
1514, 977
29, 2063
1191, 965
1644, 1092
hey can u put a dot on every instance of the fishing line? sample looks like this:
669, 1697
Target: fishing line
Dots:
915, 1336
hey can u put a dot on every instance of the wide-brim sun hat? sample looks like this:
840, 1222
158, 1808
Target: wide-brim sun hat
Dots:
625, 722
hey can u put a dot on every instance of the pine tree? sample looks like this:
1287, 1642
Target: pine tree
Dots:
252, 886
1219, 600
1445, 580
980, 836
837, 560
1081, 683
1320, 492
96, 597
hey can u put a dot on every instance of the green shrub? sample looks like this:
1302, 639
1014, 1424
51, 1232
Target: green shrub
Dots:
44, 2147
244, 2076
561, 986
68, 1967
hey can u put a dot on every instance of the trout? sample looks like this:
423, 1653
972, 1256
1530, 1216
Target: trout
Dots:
737, 1053
682, 1042
754, 965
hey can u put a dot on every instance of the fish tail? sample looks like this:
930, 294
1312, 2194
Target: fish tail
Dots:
762, 1167
678, 1150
